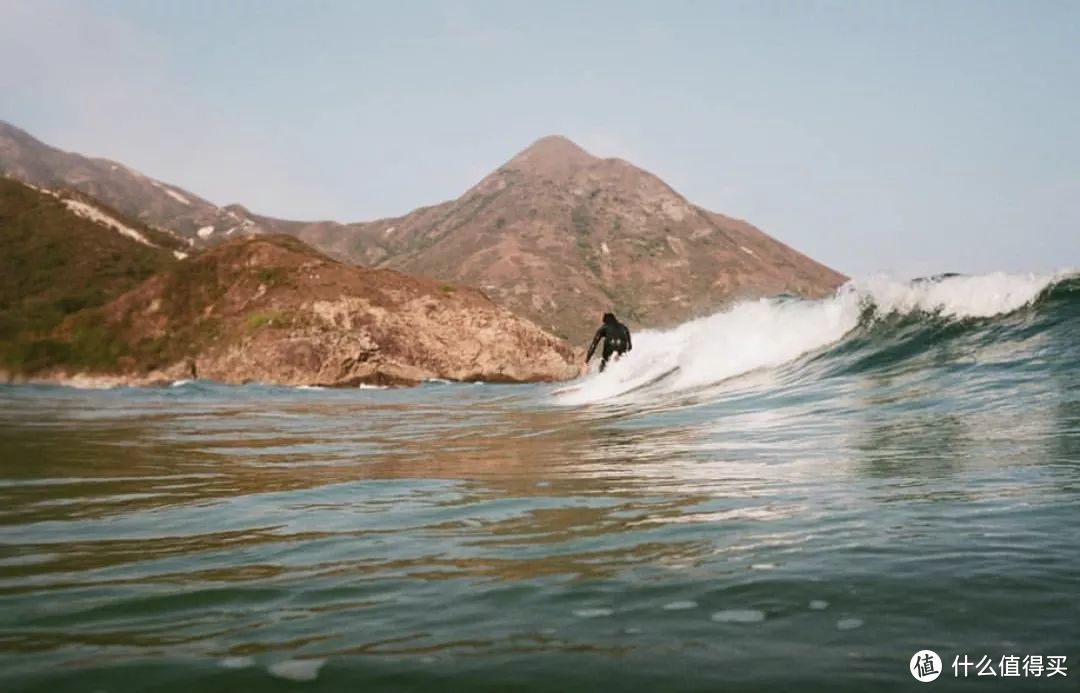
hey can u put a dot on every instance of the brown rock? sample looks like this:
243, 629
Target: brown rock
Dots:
272, 310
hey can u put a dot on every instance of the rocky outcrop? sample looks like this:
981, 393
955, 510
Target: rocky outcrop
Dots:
272, 310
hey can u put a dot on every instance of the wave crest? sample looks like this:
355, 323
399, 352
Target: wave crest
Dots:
767, 333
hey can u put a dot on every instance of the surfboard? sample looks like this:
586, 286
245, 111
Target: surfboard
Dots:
651, 381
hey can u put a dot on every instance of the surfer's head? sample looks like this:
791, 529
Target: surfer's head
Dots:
609, 318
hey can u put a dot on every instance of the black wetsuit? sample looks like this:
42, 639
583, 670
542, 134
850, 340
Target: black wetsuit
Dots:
616, 340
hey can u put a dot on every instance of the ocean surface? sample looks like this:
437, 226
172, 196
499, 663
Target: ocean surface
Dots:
788, 495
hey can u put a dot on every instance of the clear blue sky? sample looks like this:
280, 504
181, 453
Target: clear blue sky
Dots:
909, 137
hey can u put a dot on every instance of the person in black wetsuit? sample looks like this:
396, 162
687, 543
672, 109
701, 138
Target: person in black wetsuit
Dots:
616, 340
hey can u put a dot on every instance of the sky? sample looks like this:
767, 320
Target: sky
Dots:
900, 137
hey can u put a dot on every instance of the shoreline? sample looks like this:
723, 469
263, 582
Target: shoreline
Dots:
172, 378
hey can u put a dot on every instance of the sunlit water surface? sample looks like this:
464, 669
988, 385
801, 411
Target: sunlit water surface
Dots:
808, 527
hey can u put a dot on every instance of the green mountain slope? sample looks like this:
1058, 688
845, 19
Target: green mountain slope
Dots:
54, 264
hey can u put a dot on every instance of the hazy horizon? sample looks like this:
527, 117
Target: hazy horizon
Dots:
911, 139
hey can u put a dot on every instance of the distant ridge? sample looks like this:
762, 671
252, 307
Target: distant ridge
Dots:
141, 197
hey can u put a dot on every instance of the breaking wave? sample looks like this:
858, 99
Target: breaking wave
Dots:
866, 324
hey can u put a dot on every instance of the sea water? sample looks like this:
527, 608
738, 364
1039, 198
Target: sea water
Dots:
788, 495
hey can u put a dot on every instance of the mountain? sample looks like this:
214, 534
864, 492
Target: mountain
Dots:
561, 236
60, 255
87, 295
149, 201
555, 234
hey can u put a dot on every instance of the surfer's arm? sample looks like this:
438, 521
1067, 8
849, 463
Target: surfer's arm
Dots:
595, 341
629, 344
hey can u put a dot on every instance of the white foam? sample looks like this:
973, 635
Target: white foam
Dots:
976, 296
819, 604
849, 623
82, 381
766, 333
297, 669
739, 616
237, 662
680, 605
592, 613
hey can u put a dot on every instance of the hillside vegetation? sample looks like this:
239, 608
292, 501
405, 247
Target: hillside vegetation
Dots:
55, 264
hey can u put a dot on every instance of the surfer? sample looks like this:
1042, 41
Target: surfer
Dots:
616, 340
